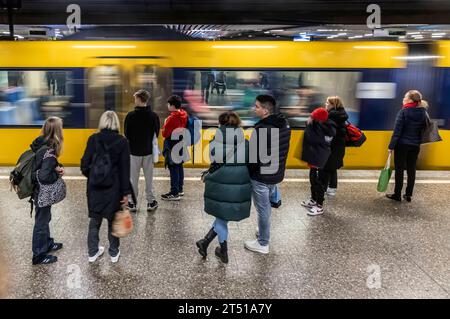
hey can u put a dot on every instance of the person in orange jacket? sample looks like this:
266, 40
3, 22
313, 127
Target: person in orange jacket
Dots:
176, 120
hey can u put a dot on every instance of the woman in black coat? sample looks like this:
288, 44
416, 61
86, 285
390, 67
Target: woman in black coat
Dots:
337, 114
106, 195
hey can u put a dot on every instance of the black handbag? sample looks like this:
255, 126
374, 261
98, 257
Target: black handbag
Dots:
430, 133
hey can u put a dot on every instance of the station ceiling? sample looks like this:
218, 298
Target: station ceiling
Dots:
231, 12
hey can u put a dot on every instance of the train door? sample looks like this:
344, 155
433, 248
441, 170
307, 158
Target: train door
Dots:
112, 82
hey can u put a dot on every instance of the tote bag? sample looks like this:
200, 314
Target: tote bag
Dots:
385, 176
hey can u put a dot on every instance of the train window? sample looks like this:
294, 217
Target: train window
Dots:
27, 97
104, 92
298, 93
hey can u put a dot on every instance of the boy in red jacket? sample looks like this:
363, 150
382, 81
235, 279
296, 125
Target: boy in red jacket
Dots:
177, 120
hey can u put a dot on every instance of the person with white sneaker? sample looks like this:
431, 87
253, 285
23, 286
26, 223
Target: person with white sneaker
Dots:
337, 114
264, 181
317, 138
108, 185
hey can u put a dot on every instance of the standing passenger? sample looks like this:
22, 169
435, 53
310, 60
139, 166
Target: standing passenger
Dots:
108, 186
177, 120
317, 138
141, 128
46, 170
271, 124
337, 114
228, 190
405, 142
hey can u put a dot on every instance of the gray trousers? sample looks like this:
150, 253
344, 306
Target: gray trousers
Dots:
136, 163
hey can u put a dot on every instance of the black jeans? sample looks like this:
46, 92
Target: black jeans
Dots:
176, 178
333, 178
319, 181
405, 157
42, 242
93, 237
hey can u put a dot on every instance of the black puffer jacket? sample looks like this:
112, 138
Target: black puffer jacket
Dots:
257, 170
45, 162
408, 127
336, 159
104, 202
317, 143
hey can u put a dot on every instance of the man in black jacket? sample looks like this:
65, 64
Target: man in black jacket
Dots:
269, 147
141, 128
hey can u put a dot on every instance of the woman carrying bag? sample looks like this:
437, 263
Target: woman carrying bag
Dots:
405, 142
228, 189
49, 187
106, 164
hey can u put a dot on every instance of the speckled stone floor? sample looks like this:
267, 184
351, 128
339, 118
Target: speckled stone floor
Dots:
364, 246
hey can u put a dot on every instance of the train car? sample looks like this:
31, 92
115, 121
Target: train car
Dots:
78, 80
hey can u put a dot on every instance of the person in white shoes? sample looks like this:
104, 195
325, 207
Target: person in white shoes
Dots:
317, 138
264, 182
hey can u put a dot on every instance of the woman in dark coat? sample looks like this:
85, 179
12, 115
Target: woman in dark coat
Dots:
106, 196
337, 114
46, 170
405, 142
228, 188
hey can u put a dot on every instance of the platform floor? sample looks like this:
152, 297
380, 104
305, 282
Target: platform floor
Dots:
364, 246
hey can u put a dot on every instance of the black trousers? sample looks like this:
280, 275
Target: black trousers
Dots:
93, 237
319, 182
333, 178
405, 157
42, 242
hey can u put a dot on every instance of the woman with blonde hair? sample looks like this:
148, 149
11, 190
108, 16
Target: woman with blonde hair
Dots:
338, 116
46, 170
406, 140
106, 164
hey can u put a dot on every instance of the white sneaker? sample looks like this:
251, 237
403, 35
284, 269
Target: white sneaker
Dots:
331, 191
310, 203
254, 245
316, 210
116, 258
100, 252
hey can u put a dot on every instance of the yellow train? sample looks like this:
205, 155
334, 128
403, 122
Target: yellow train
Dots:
78, 80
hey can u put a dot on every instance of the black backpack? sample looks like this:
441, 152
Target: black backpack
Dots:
101, 172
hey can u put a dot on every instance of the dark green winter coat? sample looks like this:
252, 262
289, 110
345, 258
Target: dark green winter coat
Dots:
228, 189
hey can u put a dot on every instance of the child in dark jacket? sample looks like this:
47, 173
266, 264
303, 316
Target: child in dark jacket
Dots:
317, 138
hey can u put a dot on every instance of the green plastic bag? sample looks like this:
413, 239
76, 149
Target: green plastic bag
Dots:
385, 176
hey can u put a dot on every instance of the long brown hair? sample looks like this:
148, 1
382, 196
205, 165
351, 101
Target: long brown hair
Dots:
335, 102
52, 131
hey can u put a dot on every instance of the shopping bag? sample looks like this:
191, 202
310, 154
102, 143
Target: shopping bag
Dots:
430, 133
122, 223
385, 176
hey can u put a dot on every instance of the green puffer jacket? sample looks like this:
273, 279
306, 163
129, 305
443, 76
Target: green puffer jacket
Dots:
228, 190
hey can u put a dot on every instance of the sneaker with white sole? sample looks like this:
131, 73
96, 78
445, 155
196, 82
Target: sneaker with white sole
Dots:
331, 191
170, 197
310, 203
316, 210
255, 246
100, 252
115, 258
152, 206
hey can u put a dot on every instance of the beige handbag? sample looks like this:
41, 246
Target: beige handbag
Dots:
122, 224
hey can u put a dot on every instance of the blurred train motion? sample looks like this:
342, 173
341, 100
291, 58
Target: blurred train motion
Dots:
79, 80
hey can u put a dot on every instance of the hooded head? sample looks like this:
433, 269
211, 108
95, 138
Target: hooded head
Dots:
320, 115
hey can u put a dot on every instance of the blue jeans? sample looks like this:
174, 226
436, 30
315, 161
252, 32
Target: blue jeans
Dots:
176, 178
221, 228
261, 198
275, 197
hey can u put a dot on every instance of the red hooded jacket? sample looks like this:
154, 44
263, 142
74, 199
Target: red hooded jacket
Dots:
176, 119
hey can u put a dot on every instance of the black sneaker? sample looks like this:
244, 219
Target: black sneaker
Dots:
170, 196
275, 205
395, 197
407, 198
181, 194
49, 259
152, 206
55, 247
132, 207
